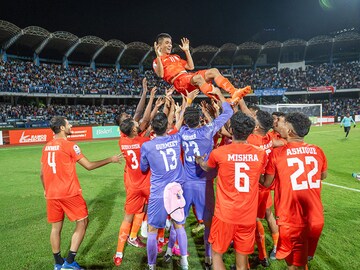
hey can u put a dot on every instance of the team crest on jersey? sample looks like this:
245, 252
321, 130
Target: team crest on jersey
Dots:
77, 149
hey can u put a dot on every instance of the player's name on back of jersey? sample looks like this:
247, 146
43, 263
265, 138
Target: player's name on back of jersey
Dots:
301, 150
166, 145
131, 146
189, 137
266, 146
52, 148
243, 157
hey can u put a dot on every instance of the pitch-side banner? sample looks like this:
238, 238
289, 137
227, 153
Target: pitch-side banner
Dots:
270, 92
329, 88
1, 138
27, 136
80, 133
106, 132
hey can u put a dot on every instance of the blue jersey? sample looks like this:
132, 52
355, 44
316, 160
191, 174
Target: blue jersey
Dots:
199, 141
346, 121
162, 155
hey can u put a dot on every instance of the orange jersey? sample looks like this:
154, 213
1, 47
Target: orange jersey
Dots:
133, 176
59, 158
274, 135
172, 64
298, 167
239, 168
264, 142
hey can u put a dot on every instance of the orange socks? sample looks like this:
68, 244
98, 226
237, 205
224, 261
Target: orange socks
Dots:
123, 235
275, 238
225, 84
161, 233
260, 240
205, 88
138, 218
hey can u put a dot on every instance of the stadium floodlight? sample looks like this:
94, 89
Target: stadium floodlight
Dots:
313, 111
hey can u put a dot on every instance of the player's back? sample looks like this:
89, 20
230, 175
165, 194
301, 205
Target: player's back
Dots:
59, 158
130, 147
162, 155
298, 168
264, 142
200, 142
239, 168
196, 141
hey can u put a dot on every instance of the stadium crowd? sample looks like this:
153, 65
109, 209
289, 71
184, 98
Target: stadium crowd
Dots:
105, 114
20, 76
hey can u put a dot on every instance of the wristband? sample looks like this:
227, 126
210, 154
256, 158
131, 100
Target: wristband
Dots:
189, 101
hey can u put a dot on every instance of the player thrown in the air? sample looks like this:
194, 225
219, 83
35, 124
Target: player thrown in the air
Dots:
173, 70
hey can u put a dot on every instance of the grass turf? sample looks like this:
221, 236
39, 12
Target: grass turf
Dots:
24, 237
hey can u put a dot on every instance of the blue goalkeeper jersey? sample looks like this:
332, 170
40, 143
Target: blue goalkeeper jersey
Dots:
162, 155
346, 121
199, 141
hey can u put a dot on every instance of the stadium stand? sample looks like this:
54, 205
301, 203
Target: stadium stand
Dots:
58, 73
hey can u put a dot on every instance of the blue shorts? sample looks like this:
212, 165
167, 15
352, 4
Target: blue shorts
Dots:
201, 195
157, 214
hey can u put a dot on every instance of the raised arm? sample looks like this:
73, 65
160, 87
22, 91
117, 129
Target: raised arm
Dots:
141, 104
146, 117
189, 99
158, 68
244, 108
185, 46
159, 102
171, 113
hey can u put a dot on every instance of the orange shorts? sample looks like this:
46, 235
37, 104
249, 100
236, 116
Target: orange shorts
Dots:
183, 82
314, 236
74, 207
264, 202
135, 200
293, 245
222, 233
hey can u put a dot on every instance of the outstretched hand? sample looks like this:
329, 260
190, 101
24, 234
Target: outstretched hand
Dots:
193, 94
116, 158
169, 91
185, 44
157, 49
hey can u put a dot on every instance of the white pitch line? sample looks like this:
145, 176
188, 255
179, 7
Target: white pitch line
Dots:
333, 185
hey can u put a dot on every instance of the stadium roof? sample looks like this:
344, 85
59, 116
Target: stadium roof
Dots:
36, 41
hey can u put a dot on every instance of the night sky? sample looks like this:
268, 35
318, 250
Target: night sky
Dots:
203, 22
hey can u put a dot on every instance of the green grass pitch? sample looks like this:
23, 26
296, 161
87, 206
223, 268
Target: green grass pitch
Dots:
24, 237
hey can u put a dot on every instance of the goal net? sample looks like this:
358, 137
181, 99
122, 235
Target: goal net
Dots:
313, 111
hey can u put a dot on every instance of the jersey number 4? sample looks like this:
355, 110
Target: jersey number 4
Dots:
309, 183
51, 161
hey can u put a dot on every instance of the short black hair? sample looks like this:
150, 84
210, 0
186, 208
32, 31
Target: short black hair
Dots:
265, 120
126, 126
278, 114
161, 36
192, 117
56, 122
121, 117
300, 122
242, 125
253, 107
159, 123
